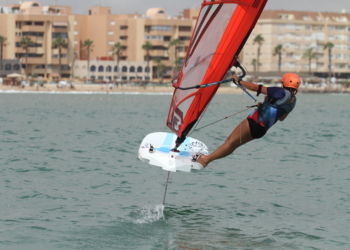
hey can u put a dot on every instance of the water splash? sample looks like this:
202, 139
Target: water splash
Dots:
150, 214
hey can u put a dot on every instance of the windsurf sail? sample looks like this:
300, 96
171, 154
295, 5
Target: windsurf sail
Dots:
222, 28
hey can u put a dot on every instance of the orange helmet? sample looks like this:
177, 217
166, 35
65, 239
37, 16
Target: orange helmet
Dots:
291, 80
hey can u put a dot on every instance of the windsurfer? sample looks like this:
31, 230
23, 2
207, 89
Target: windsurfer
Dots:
278, 103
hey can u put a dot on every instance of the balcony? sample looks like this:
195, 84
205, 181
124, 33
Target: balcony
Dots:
63, 61
34, 60
30, 50
33, 28
59, 29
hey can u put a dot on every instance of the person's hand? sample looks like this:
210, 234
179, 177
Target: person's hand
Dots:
235, 78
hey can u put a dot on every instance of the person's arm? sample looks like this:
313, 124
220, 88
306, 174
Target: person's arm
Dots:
251, 86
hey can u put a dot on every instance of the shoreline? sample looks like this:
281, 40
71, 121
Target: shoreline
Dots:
99, 89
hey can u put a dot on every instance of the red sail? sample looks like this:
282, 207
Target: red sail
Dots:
222, 28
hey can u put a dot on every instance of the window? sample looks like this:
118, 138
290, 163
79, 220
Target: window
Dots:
93, 68
62, 56
33, 55
147, 69
65, 67
159, 47
32, 34
123, 38
101, 68
318, 27
124, 27
159, 28
33, 45
154, 38
16, 67
185, 28
8, 67
110, 33
115, 68
108, 69
124, 69
184, 38
139, 69
132, 69
60, 34
286, 16
290, 26
112, 23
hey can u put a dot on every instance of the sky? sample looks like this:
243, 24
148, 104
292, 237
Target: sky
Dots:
174, 7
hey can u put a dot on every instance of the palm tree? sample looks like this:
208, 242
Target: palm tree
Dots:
59, 43
161, 68
88, 46
176, 42
2, 44
118, 49
75, 55
25, 44
278, 51
329, 46
147, 47
309, 54
253, 62
178, 64
158, 60
259, 40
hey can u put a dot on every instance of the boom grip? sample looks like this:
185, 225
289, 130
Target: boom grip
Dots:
244, 73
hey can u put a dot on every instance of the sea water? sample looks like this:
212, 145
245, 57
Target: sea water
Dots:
70, 177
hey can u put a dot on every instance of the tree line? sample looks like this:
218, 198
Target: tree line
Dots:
117, 51
308, 54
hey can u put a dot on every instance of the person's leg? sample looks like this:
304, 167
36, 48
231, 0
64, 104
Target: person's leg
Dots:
239, 136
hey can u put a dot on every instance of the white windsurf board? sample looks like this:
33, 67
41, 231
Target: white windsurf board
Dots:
155, 149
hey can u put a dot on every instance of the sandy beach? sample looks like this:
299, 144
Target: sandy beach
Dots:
103, 88
98, 88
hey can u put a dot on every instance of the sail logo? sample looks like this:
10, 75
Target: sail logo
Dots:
177, 119
196, 144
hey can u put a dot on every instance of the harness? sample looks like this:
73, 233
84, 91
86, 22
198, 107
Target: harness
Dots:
272, 109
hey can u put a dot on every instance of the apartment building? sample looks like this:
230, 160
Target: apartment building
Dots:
132, 31
42, 24
45, 23
108, 70
298, 31
10, 66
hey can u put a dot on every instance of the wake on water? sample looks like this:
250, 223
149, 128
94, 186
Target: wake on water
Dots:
149, 214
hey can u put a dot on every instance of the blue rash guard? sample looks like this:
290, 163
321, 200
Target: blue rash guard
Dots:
277, 103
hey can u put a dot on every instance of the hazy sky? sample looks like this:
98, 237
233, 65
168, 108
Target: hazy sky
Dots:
174, 7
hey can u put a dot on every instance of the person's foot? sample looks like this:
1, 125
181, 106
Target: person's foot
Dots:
200, 158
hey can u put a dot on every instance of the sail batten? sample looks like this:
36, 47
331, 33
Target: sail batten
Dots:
222, 28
